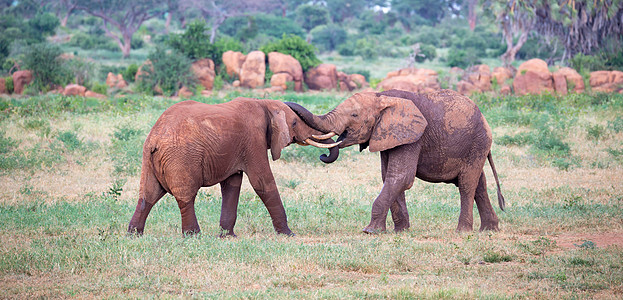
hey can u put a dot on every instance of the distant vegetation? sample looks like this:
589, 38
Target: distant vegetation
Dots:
425, 33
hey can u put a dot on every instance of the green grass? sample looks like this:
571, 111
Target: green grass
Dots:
69, 183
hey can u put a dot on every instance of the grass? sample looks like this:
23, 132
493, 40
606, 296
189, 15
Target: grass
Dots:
69, 175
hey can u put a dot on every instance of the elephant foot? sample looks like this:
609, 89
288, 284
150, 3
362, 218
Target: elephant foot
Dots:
286, 232
135, 231
190, 232
489, 226
401, 226
227, 233
372, 230
464, 228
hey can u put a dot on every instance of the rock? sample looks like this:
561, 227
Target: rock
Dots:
253, 70
477, 79
184, 92
91, 94
560, 83
143, 70
606, 81
204, 71
322, 77
20, 80
359, 80
501, 75
533, 77
281, 80
236, 83
115, 81
233, 62
74, 90
279, 63
411, 79
573, 79
3, 86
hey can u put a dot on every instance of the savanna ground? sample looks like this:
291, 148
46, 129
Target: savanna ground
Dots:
69, 176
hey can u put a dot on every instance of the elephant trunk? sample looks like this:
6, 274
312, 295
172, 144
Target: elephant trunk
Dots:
317, 123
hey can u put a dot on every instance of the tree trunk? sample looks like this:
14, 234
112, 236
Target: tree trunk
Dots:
127, 44
167, 23
471, 15
511, 50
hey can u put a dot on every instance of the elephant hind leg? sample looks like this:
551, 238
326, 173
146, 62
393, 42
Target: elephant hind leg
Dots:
488, 218
150, 192
400, 215
230, 191
468, 183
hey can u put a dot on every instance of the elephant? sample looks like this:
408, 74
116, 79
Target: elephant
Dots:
438, 137
194, 145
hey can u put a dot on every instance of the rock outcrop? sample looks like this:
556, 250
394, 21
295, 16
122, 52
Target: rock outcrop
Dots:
253, 70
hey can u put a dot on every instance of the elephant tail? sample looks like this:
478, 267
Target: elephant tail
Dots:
497, 182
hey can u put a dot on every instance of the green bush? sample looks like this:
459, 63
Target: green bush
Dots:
367, 48
461, 58
100, 88
347, 48
130, 72
296, 47
270, 25
328, 37
171, 71
194, 43
46, 66
585, 64
8, 83
428, 52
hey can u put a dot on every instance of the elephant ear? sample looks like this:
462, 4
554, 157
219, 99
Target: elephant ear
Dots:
279, 133
400, 123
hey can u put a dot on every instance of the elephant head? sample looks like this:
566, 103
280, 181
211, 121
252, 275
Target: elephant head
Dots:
286, 127
369, 119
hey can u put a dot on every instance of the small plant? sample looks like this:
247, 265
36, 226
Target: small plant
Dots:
595, 132
293, 183
495, 257
115, 190
616, 125
130, 73
100, 88
70, 140
8, 83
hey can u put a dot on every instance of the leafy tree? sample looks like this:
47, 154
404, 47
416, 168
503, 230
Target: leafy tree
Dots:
171, 71
217, 11
296, 47
341, 10
270, 25
194, 43
583, 25
46, 66
310, 16
328, 37
423, 12
126, 16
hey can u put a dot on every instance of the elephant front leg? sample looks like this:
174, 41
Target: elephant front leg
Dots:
264, 185
400, 215
399, 166
230, 191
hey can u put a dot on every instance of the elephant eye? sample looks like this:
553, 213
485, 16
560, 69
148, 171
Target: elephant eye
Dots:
354, 115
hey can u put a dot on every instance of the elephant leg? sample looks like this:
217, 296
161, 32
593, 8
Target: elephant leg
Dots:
400, 172
151, 192
263, 182
230, 191
467, 183
190, 225
400, 215
488, 218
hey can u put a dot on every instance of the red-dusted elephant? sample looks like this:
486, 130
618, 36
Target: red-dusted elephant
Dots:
193, 145
437, 137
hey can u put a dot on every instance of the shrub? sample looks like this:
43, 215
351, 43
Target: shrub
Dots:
47, 69
171, 71
461, 58
347, 48
328, 37
269, 25
427, 52
8, 83
194, 43
367, 48
130, 72
100, 88
296, 47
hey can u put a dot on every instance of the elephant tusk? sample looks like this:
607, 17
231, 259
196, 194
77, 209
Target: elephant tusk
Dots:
324, 136
302, 143
320, 145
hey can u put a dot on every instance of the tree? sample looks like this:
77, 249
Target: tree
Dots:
310, 16
582, 25
423, 12
217, 11
124, 15
341, 10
